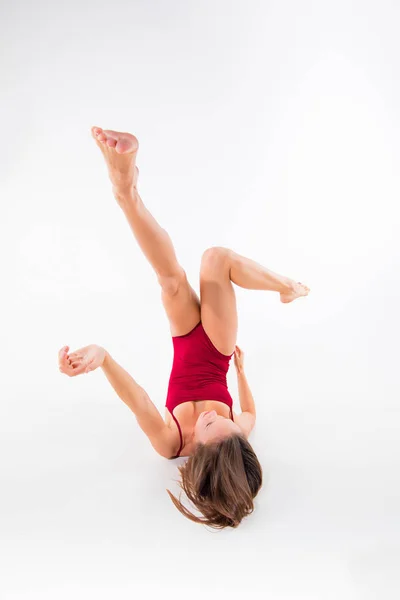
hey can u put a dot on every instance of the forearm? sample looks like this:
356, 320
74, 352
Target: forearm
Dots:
125, 386
245, 396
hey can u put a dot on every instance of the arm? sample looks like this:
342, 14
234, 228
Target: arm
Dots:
245, 396
161, 437
246, 420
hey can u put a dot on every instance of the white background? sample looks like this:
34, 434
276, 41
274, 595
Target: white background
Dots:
268, 127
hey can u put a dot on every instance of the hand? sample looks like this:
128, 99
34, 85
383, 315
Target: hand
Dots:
81, 361
239, 359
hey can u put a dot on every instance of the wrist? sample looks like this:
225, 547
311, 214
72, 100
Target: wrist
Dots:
106, 358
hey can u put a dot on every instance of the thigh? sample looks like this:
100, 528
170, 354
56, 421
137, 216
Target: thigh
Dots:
218, 300
181, 303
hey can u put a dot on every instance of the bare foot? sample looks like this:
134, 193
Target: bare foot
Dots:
298, 289
119, 150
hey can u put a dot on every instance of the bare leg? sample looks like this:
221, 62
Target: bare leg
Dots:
152, 239
219, 268
180, 300
247, 273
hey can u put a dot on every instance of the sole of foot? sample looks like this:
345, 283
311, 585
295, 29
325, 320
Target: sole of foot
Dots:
119, 150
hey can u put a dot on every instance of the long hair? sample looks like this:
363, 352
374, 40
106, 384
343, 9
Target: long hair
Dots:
221, 479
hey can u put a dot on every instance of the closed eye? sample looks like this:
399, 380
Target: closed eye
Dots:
208, 424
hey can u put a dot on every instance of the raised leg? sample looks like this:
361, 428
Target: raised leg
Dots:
219, 268
180, 301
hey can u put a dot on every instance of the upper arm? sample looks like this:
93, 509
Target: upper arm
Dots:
165, 442
163, 439
246, 422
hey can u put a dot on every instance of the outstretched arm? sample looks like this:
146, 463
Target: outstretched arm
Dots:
161, 437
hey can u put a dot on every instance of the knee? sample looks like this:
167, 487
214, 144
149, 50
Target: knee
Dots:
170, 284
214, 257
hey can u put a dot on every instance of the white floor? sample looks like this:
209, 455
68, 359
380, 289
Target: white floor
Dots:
270, 128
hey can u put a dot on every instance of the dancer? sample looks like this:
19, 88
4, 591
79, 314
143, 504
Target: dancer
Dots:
222, 475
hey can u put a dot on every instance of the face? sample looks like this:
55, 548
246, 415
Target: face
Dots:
211, 427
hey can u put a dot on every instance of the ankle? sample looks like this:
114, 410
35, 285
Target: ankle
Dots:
125, 195
287, 285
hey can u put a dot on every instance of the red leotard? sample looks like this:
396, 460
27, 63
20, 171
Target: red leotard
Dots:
198, 372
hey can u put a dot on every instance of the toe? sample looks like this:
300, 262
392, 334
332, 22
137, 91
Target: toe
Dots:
96, 132
111, 142
123, 146
127, 144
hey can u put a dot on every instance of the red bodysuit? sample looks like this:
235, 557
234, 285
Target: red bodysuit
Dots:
198, 372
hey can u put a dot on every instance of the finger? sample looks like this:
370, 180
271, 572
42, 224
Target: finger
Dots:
73, 371
62, 358
63, 351
78, 370
65, 363
66, 369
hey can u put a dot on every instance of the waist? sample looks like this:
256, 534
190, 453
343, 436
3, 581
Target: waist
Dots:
186, 390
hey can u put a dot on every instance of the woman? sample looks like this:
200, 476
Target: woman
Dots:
222, 475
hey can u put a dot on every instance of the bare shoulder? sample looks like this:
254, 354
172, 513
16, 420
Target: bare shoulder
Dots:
166, 442
246, 422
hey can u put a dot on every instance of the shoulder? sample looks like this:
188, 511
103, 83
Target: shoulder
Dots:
166, 442
246, 422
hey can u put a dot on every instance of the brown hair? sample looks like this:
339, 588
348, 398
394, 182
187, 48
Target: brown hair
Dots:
221, 479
